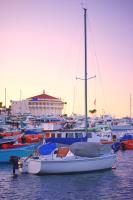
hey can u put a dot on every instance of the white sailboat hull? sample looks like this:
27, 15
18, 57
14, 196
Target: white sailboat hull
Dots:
70, 164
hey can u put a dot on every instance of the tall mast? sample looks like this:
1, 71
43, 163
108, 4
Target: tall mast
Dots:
85, 75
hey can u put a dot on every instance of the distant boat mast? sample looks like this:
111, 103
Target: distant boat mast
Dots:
20, 101
5, 98
130, 106
85, 75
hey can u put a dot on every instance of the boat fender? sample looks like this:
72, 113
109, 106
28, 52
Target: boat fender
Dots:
20, 164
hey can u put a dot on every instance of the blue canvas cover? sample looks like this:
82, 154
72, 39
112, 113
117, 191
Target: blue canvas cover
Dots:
116, 146
126, 137
67, 141
33, 131
46, 149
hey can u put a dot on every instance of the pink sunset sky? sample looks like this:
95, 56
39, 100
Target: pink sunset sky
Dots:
42, 48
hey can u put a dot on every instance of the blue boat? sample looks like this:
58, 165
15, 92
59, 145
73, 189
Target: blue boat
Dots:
23, 151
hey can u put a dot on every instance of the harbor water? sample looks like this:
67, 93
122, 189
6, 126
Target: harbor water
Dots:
114, 184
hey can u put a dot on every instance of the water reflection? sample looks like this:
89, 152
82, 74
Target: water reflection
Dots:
111, 184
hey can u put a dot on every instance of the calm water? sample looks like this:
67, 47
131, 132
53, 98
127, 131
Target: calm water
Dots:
114, 184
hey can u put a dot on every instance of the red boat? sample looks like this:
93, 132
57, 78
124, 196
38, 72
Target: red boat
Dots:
30, 138
10, 146
12, 133
127, 145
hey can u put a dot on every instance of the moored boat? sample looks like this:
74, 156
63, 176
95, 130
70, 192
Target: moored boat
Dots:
80, 157
17, 150
127, 144
32, 138
124, 143
86, 157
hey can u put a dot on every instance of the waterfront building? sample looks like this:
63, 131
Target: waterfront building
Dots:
39, 105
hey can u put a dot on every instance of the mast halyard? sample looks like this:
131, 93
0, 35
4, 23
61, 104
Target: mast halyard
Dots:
85, 75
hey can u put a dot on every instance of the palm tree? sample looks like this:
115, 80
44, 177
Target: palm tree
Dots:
93, 111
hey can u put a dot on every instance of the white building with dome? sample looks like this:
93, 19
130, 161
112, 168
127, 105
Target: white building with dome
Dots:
39, 105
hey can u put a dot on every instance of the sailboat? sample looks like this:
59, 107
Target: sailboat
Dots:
78, 157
